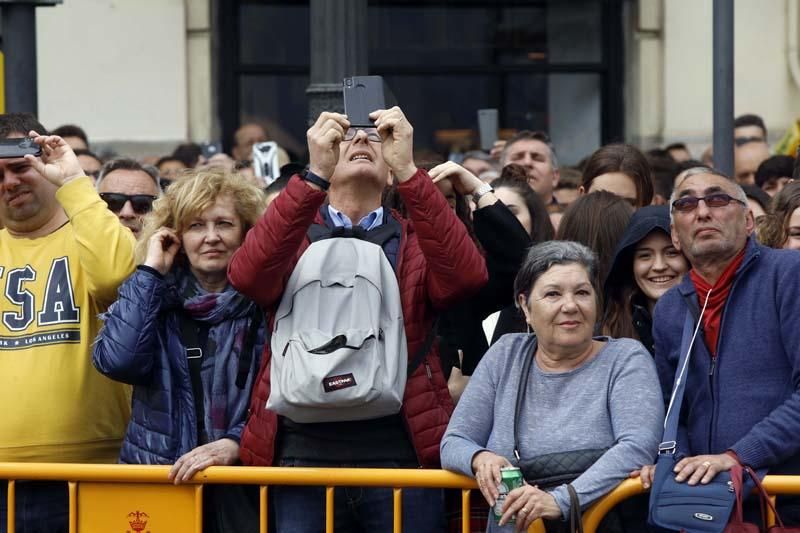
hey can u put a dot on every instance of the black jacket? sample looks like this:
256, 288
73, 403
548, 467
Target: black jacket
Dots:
505, 243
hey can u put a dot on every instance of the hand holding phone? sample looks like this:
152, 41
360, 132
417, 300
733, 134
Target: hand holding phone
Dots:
397, 146
58, 164
323, 143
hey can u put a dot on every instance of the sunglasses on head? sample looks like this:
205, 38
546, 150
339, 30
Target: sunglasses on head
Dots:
686, 204
372, 134
140, 203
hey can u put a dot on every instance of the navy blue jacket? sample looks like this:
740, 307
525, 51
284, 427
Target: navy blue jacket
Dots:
748, 400
140, 344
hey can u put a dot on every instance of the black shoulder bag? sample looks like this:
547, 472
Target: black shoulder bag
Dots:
552, 469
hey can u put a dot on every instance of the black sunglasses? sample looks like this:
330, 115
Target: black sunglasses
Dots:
141, 203
717, 199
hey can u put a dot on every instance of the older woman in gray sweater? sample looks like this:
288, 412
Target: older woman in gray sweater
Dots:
580, 393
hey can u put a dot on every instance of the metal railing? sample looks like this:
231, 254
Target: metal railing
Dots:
99, 494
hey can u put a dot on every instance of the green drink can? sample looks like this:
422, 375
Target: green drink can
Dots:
510, 479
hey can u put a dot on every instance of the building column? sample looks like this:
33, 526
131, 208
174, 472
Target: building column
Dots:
202, 113
339, 41
19, 50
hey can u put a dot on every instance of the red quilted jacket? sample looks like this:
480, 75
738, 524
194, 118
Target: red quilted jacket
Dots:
437, 264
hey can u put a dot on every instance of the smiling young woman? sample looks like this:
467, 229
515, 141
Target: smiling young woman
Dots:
645, 266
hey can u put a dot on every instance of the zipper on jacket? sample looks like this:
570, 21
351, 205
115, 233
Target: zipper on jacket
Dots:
742, 269
428, 369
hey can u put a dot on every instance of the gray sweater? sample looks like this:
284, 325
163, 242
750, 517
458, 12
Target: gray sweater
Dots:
613, 401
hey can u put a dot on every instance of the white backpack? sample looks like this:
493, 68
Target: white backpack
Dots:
339, 349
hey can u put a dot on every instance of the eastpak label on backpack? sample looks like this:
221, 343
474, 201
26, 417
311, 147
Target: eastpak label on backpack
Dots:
339, 348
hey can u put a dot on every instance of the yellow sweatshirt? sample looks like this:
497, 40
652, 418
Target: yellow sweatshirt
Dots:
55, 406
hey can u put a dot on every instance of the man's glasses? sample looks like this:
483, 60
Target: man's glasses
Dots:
372, 134
141, 203
717, 199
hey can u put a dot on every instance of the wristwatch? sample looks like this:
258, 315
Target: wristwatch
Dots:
310, 177
482, 190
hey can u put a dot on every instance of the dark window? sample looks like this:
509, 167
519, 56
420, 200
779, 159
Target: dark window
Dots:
547, 64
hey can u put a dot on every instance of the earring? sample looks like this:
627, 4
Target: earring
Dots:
529, 328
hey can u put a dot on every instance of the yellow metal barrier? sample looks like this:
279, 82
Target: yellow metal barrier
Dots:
134, 498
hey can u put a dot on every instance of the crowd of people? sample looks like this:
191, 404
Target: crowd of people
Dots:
364, 309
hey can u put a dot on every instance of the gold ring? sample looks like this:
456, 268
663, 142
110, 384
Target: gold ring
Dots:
706, 464
524, 510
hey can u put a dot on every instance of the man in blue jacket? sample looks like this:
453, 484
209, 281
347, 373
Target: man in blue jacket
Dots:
742, 400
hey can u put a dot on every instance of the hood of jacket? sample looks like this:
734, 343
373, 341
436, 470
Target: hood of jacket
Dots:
642, 223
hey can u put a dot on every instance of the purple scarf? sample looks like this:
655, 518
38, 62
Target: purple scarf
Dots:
228, 315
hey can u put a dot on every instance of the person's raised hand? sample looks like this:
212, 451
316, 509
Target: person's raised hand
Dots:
397, 145
58, 164
324, 138
497, 149
702, 468
529, 503
162, 249
464, 182
486, 466
222, 452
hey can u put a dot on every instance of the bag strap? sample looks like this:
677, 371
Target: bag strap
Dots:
738, 489
521, 389
423, 350
194, 335
766, 501
669, 440
248, 348
575, 515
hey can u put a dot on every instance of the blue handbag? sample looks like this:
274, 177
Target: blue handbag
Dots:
701, 508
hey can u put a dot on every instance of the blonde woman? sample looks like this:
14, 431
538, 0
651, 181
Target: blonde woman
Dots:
183, 337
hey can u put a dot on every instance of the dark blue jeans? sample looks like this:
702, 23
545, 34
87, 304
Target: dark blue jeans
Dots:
302, 509
41, 507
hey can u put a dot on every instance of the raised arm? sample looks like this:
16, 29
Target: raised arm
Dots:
261, 267
455, 267
105, 246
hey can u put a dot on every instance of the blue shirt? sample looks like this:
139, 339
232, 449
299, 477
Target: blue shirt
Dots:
372, 220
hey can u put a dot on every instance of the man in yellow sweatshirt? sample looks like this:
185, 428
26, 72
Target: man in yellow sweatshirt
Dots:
62, 256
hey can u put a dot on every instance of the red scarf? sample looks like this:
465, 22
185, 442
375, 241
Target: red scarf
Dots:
716, 303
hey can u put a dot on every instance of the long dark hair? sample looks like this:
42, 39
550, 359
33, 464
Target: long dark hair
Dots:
622, 158
597, 220
515, 178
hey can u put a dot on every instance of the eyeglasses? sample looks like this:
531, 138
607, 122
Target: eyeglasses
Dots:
141, 203
372, 134
717, 199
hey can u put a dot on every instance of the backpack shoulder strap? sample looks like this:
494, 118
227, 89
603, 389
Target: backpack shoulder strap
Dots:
424, 349
194, 336
248, 348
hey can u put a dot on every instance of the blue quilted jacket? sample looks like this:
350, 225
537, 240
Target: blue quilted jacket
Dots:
140, 344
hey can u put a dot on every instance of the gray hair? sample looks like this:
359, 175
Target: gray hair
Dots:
527, 135
542, 257
738, 192
126, 163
